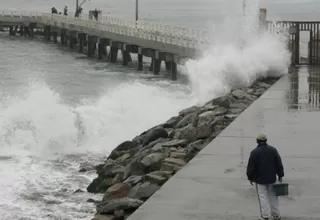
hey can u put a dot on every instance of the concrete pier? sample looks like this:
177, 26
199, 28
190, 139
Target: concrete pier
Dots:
214, 185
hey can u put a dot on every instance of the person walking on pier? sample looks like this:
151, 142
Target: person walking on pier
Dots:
264, 166
54, 10
65, 11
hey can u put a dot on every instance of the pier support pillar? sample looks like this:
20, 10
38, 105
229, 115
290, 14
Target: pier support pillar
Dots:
71, 42
11, 31
26, 31
92, 44
15, 30
151, 64
32, 26
82, 38
168, 65
55, 37
47, 32
113, 52
21, 31
63, 37
156, 63
125, 55
140, 59
100, 51
174, 71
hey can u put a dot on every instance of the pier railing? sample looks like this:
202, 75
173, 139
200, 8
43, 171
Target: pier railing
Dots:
166, 34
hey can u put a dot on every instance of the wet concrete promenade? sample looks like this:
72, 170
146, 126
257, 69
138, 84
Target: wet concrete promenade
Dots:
213, 186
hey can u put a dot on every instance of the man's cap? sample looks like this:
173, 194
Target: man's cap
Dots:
261, 137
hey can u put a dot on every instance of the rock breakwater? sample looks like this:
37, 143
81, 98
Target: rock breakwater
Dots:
136, 169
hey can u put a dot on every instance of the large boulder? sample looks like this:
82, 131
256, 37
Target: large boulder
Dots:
126, 204
239, 94
189, 110
154, 134
188, 133
153, 161
117, 191
143, 191
157, 177
188, 119
133, 180
223, 101
193, 149
172, 122
123, 148
110, 169
99, 185
175, 143
206, 128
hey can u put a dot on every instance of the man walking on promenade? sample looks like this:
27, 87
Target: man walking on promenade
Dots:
264, 166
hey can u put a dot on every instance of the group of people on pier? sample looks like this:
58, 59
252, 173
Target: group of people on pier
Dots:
95, 12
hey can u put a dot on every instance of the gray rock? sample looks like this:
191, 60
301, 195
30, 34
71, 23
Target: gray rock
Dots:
206, 117
172, 122
263, 85
125, 146
143, 191
235, 110
189, 110
188, 119
179, 155
238, 105
220, 111
188, 133
126, 204
110, 169
239, 94
175, 161
119, 190
154, 134
156, 179
170, 167
134, 168
160, 140
158, 147
231, 116
123, 158
175, 143
153, 161
133, 180
205, 128
223, 101
99, 185
194, 148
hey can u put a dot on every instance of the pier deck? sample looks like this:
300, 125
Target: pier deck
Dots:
213, 186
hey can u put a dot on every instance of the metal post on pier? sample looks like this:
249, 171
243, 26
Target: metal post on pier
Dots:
77, 5
137, 10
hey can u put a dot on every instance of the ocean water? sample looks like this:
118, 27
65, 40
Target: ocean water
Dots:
59, 109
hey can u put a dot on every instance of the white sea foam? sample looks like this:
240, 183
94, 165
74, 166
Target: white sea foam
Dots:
240, 53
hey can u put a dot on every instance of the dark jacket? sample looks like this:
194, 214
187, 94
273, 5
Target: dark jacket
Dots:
264, 165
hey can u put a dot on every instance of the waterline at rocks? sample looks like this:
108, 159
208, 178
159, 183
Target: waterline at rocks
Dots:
136, 169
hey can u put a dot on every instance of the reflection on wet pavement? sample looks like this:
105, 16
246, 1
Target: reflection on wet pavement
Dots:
304, 92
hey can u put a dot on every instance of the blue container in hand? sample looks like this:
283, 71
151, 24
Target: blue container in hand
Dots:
281, 189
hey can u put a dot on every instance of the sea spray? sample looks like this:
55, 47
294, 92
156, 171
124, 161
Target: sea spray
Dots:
240, 53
